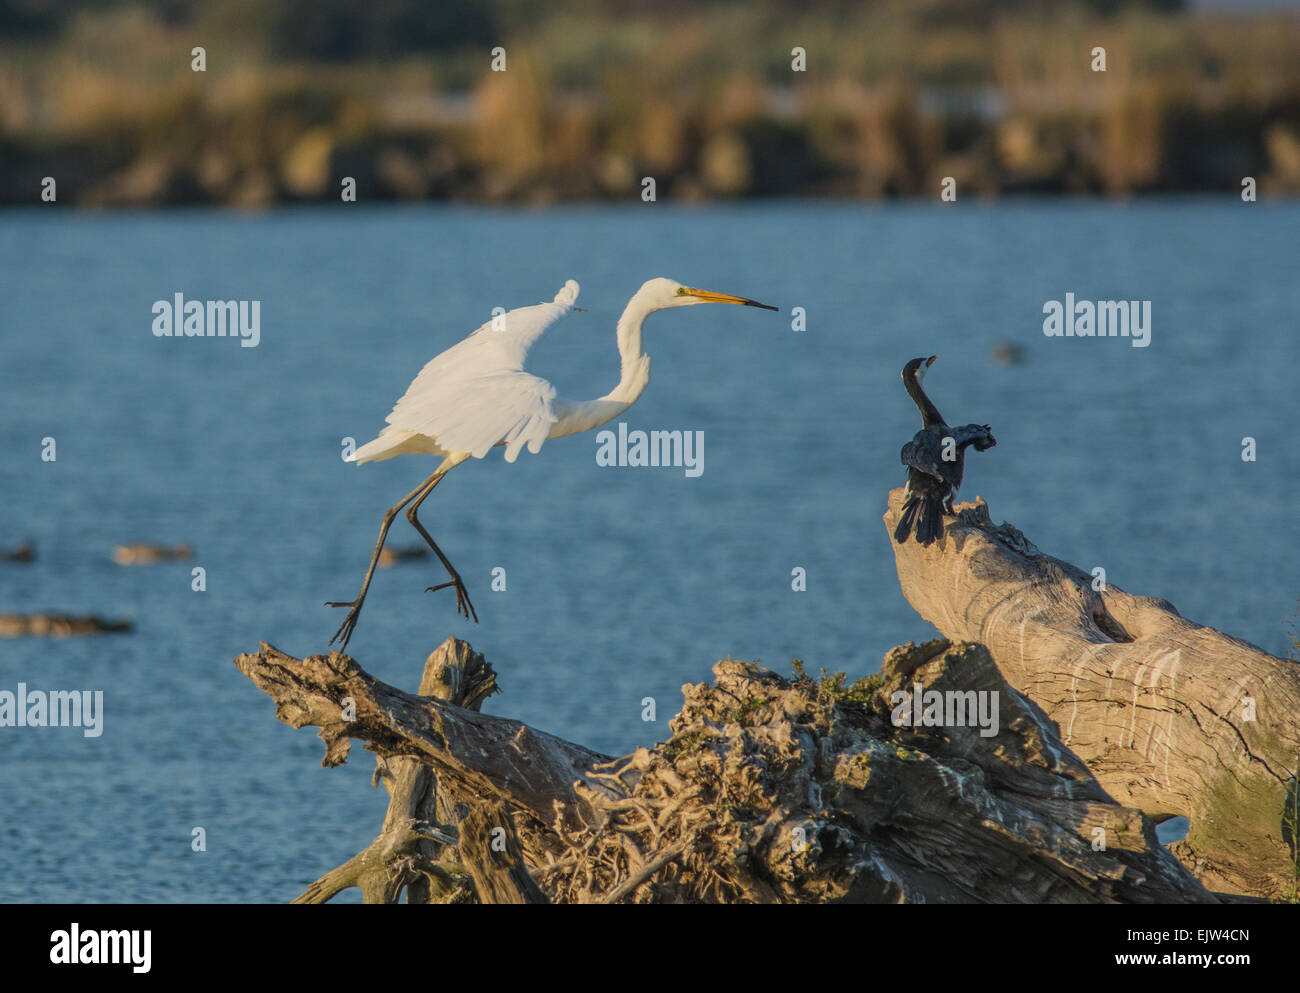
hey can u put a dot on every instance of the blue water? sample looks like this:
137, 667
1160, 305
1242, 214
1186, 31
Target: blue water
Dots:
621, 583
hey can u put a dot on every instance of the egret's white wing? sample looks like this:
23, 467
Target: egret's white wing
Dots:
476, 393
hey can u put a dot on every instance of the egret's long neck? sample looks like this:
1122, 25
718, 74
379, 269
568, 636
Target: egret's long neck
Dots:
634, 372
573, 417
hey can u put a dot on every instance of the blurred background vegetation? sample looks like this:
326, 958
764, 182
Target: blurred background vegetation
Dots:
399, 94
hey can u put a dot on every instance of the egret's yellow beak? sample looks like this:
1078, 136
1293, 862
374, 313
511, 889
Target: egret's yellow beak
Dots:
708, 296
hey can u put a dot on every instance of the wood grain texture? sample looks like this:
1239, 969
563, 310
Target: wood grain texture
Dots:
769, 790
1172, 717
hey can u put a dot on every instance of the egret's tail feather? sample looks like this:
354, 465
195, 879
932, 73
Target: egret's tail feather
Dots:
374, 451
927, 514
391, 443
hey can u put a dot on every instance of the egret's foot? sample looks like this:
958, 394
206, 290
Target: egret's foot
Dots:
463, 606
345, 629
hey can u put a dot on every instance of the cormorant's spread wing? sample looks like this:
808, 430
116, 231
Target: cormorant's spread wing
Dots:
476, 393
978, 435
923, 453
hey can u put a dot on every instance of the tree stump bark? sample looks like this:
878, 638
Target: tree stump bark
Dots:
769, 791
495, 858
416, 851
1173, 718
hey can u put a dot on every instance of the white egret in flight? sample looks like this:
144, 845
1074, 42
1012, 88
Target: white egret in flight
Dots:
476, 395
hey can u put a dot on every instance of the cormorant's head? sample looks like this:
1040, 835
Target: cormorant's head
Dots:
988, 441
914, 371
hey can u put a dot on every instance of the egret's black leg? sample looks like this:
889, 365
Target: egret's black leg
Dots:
463, 605
345, 629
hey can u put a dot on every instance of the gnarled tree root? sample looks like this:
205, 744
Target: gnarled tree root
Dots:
769, 790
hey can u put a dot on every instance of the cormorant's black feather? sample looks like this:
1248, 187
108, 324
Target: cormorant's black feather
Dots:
905, 521
935, 460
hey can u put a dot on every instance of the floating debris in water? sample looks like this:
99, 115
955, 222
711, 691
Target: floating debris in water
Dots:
389, 557
1008, 353
57, 625
146, 554
26, 552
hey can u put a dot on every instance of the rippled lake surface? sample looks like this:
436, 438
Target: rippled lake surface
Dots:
621, 583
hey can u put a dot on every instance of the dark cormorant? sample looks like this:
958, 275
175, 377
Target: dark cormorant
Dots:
935, 459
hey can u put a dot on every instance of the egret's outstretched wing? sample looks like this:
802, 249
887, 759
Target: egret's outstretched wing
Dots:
476, 393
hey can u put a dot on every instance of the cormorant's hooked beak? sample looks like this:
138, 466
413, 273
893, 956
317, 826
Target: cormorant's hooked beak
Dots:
708, 296
917, 369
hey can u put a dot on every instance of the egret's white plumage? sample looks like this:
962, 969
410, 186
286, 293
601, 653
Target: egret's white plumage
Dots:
477, 395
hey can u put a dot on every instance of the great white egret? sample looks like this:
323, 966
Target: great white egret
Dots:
476, 395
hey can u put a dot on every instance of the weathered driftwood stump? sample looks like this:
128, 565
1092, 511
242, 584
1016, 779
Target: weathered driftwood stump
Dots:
415, 852
1171, 717
769, 790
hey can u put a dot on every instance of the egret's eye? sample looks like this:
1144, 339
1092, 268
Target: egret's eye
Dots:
681, 291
